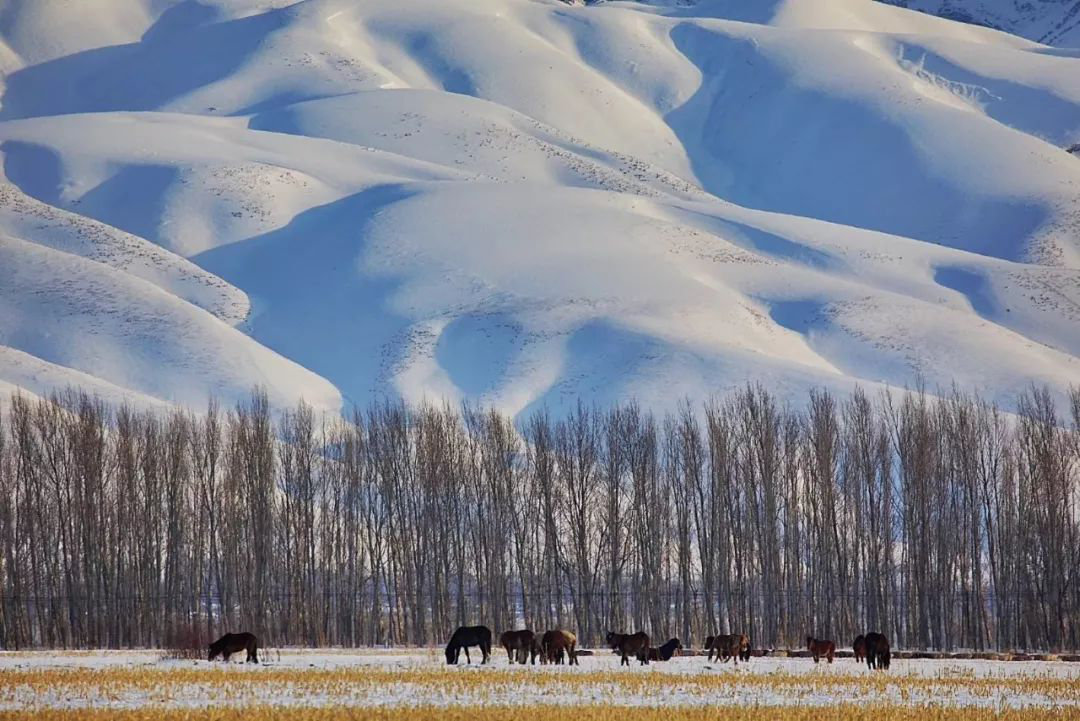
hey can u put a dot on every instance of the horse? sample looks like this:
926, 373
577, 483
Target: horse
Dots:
536, 651
734, 646
665, 651
232, 643
466, 636
518, 644
877, 651
627, 644
820, 647
711, 646
859, 646
557, 642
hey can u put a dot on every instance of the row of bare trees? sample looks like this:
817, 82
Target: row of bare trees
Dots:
940, 521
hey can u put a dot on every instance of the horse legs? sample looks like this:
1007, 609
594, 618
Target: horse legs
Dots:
573, 656
625, 661
485, 649
468, 659
253, 654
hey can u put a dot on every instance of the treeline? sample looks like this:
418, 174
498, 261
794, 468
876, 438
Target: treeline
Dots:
942, 522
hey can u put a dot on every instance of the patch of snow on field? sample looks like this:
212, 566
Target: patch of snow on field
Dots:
419, 678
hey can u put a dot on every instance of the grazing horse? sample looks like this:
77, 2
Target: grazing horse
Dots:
877, 651
518, 644
820, 647
467, 636
859, 647
232, 643
744, 648
734, 646
556, 643
536, 651
630, 644
665, 651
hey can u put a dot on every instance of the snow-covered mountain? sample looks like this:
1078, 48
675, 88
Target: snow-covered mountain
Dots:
1055, 22
524, 201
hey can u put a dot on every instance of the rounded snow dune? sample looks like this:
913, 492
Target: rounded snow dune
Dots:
686, 302
524, 202
77, 313
32, 377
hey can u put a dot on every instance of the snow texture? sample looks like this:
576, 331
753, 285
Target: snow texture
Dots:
524, 202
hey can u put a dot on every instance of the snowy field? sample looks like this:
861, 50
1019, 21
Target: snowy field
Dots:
359, 680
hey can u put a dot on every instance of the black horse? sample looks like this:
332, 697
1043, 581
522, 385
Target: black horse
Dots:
665, 651
232, 643
859, 647
467, 636
877, 651
630, 644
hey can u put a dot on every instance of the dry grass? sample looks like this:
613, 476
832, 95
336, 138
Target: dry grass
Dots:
224, 692
575, 713
322, 680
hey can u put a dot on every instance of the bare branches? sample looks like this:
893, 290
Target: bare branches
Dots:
940, 521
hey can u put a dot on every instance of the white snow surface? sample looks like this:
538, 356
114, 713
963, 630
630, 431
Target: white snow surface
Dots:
238, 684
1056, 22
524, 202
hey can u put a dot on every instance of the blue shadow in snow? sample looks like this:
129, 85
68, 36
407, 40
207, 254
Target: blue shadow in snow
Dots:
796, 315
762, 140
971, 285
133, 199
177, 55
311, 300
33, 169
601, 360
475, 350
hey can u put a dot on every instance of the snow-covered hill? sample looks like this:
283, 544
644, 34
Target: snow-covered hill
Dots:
523, 201
1055, 22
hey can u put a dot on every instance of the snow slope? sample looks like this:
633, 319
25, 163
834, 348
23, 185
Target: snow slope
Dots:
1056, 22
523, 202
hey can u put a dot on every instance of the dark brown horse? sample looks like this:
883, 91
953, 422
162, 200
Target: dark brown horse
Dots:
877, 651
665, 651
537, 651
859, 647
558, 642
735, 646
630, 644
232, 643
518, 644
820, 648
467, 636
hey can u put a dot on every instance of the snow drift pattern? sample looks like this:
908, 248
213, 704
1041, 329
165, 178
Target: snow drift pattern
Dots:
523, 202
